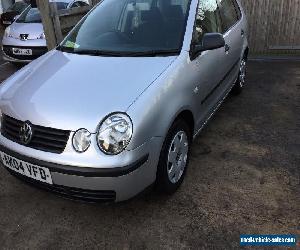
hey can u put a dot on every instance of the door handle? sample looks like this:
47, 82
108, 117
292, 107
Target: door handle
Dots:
227, 48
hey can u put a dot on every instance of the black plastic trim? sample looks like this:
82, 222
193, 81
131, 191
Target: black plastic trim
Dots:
71, 193
79, 171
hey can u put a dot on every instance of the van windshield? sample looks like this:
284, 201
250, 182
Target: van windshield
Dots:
130, 27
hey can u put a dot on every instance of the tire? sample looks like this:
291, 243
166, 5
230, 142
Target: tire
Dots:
240, 82
174, 160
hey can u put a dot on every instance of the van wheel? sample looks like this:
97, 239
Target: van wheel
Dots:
174, 158
240, 82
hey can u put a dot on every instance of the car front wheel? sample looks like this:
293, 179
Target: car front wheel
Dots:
174, 158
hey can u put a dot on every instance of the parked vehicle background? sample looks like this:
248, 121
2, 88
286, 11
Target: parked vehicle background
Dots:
8, 17
24, 40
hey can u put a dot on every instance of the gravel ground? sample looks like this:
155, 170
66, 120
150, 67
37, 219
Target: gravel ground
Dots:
243, 178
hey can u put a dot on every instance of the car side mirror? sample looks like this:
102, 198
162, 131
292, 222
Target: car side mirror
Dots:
210, 41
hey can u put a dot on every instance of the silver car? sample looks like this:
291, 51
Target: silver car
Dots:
24, 40
115, 108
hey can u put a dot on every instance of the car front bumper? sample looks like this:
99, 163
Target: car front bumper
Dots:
10, 57
98, 184
37, 46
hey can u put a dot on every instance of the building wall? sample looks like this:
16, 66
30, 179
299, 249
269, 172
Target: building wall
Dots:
273, 26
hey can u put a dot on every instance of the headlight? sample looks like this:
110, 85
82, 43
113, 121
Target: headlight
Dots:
81, 140
114, 133
7, 32
42, 36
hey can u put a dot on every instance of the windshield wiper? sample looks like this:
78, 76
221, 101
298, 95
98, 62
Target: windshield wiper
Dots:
65, 49
87, 51
155, 53
29, 22
118, 53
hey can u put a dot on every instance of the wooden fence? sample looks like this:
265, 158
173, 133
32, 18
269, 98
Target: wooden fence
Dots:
274, 25
58, 22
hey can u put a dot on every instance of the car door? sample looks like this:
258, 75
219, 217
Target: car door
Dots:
233, 33
206, 69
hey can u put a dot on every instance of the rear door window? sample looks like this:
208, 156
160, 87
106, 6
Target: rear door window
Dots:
228, 14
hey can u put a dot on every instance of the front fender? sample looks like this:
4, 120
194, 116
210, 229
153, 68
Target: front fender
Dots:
156, 109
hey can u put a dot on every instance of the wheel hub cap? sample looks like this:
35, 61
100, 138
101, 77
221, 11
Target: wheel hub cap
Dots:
177, 156
242, 73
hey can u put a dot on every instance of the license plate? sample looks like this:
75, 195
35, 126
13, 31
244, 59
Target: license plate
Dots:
24, 52
24, 168
6, 22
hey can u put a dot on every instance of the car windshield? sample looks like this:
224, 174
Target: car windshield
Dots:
32, 15
18, 7
130, 27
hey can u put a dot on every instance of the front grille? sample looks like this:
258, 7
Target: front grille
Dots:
71, 192
43, 138
36, 52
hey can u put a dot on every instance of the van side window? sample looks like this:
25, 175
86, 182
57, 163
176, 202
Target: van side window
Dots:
207, 19
228, 14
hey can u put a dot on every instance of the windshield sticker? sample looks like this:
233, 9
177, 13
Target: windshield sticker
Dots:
72, 45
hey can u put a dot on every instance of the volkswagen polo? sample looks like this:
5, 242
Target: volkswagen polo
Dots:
115, 107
